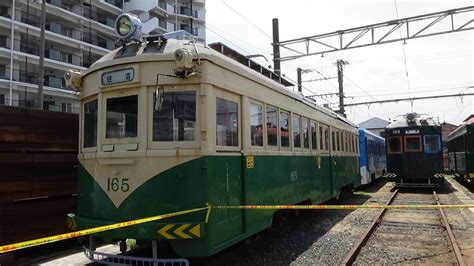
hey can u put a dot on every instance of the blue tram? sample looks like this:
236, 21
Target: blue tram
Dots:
372, 161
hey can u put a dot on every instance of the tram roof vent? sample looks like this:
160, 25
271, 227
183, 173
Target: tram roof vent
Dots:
244, 60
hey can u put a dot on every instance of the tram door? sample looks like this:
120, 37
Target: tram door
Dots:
228, 164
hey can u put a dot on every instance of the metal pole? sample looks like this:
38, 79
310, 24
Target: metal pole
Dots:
298, 79
340, 63
11, 52
39, 102
276, 47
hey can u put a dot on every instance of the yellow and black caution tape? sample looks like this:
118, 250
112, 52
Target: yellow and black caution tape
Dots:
45, 240
344, 207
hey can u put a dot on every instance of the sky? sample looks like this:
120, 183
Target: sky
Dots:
436, 65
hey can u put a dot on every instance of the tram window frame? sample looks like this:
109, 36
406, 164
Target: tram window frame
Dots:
272, 146
305, 132
166, 145
389, 146
237, 125
314, 127
296, 138
417, 137
121, 139
288, 122
94, 140
469, 142
252, 134
177, 100
427, 144
333, 140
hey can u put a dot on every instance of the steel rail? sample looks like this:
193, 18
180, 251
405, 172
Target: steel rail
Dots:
352, 255
451, 238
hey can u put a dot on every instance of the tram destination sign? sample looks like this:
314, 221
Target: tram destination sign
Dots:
118, 76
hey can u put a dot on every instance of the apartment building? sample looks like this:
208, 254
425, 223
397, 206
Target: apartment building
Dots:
77, 33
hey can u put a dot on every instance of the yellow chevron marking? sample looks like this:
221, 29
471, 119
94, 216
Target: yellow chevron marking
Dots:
180, 232
163, 232
196, 230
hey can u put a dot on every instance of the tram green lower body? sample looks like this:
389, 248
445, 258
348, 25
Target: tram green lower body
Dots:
217, 180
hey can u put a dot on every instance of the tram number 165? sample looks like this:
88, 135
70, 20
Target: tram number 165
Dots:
115, 184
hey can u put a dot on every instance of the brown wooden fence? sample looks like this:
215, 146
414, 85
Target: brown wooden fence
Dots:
38, 165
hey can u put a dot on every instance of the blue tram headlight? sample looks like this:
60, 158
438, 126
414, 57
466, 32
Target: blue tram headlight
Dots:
128, 26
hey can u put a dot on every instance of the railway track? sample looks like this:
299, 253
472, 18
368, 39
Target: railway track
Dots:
421, 233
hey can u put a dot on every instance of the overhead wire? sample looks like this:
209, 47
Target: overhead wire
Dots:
404, 55
270, 38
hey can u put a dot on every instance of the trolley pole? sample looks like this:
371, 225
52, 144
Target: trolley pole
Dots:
276, 47
340, 63
39, 101
298, 72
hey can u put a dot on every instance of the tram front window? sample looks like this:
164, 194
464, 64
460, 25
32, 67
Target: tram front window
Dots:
176, 121
122, 117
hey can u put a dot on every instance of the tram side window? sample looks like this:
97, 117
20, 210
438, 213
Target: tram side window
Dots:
305, 133
432, 143
296, 126
272, 126
326, 138
122, 115
321, 141
412, 143
227, 123
90, 124
394, 144
314, 136
469, 142
284, 127
176, 121
256, 124
333, 138
338, 142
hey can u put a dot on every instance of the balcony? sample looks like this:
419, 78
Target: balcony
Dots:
31, 77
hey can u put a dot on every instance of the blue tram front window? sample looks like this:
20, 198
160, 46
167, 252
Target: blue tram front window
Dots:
122, 115
176, 121
432, 144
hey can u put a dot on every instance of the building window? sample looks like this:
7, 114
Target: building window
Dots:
272, 126
412, 143
227, 123
296, 129
176, 121
432, 144
121, 121
256, 124
394, 145
284, 129
89, 138
66, 107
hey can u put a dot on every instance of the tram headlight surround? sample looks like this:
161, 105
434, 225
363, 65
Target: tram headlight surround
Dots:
128, 26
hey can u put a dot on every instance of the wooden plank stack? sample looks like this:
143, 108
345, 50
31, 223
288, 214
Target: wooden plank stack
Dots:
38, 172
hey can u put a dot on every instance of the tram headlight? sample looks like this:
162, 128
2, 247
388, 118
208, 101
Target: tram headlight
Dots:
128, 26
183, 58
73, 79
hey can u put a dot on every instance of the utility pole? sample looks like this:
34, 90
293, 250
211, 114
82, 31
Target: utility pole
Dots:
340, 63
298, 72
276, 47
39, 99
